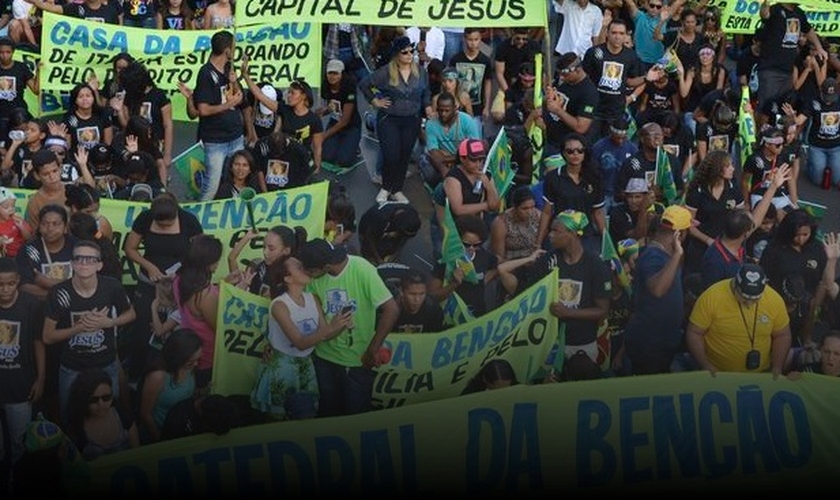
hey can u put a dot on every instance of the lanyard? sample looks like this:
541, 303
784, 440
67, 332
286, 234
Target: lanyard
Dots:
747, 328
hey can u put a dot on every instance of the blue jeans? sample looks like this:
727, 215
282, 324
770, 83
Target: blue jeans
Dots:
818, 159
66, 377
453, 43
344, 390
397, 136
215, 154
341, 148
18, 415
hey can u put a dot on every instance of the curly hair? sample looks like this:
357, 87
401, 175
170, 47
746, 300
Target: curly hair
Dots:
710, 169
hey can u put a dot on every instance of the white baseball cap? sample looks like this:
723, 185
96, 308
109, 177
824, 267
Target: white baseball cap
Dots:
271, 93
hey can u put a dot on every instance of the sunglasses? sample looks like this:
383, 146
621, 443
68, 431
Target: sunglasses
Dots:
570, 69
472, 245
707, 52
86, 259
105, 398
574, 151
655, 5
406, 52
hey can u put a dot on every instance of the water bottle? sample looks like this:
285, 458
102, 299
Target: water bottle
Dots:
478, 187
826, 180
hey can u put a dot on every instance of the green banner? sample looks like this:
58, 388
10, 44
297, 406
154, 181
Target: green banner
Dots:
440, 13
423, 367
662, 433
226, 219
78, 49
744, 16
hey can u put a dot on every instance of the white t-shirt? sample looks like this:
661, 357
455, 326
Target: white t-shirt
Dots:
22, 9
305, 318
580, 26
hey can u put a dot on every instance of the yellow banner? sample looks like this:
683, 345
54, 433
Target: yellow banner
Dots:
440, 13
743, 16
423, 367
226, 219
677, 432
75, 50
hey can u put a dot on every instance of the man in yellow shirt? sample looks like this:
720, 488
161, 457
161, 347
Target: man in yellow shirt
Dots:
740, 325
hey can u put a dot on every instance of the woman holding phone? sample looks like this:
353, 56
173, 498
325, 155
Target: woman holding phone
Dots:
286, 386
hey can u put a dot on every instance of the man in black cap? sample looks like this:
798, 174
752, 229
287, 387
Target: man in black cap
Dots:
344, 365
383, 231
740, 325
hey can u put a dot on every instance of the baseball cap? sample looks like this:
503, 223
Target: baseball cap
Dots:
6, 195
678, 218
572, 220
828, 90
750, 281
99, 154
335, 66
474, 149
270, 92
636, 185
319, 253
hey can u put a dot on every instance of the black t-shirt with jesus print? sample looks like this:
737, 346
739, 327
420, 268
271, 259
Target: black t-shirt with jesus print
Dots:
780, 38
150, 107
33, 258
12, 88
610, 72
212, 88
20, 325
87, 132
106, 13
579, 100
825, 123
336, 99
95, 349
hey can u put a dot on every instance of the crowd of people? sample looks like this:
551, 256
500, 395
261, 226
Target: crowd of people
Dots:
729, 272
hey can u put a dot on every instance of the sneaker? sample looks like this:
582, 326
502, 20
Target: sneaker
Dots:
399, 197
376, 179
382, 197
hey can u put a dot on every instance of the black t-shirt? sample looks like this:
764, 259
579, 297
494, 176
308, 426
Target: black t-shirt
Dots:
20, 326
711, 212
680, 145
659, 99
748, 66
513, 57
585, 196
336, 99
622, 221
212, 88
429, 319
13, 82
780, 37
174, 21
637, 167
300, 128
165, 250
264, 123
780, 261
32, 258
378, 230
22, 167
759, 167
609, 72
579, 99
106, 13
686, 52
283, 169
716, 139
87, 132
580, 285
150, 108
93, 349
138, 10
481, 68
825, 123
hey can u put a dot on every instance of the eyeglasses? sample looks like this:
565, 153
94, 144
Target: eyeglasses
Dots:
86, 259
105, 398
574, 151
472, 245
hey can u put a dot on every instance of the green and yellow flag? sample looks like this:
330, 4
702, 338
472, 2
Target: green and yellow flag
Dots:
610, 256
453, 253
664, 176
535, 133
746, 125
455, 311
189, 168
498, 163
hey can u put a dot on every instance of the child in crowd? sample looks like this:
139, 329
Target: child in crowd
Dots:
17, 162
14, 232
174, 15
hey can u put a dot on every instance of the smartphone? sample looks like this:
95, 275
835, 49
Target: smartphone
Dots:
17, 135
346, 309
339, 229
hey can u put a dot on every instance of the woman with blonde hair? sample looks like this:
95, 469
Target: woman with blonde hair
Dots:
450, 82
399, 91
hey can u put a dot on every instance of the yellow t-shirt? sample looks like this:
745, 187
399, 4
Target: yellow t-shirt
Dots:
727, 339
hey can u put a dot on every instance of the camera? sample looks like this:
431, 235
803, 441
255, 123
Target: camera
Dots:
17, 135
753, 360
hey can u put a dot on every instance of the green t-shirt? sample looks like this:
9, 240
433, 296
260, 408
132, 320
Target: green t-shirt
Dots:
360, 285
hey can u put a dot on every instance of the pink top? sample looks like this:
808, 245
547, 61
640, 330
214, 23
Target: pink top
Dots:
202, 329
